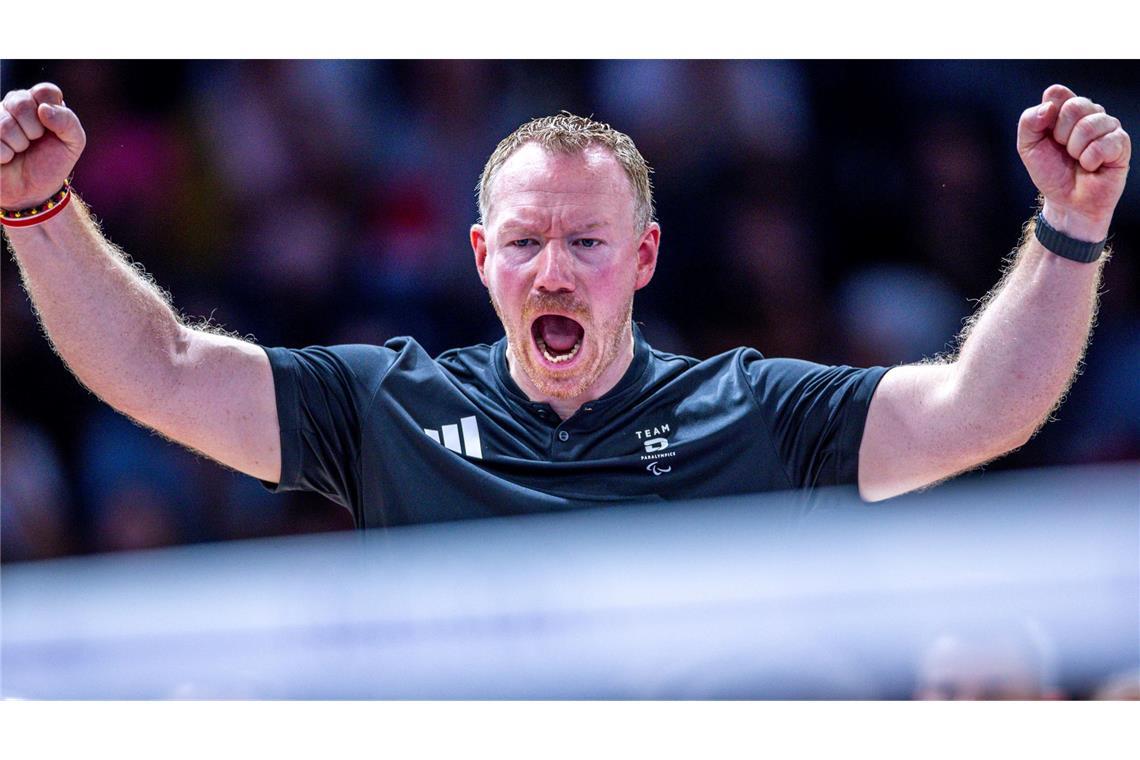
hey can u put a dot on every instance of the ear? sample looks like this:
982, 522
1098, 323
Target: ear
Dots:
647, 254
479, 246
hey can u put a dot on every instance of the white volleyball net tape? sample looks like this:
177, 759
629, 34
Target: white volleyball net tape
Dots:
1015, 584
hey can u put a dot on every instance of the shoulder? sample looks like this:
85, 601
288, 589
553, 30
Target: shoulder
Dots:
360, 365
357, 358
664, 367
729, 363
755, 365
779, 380
470, 361
674, 361
716, 381
783, 370
368, 365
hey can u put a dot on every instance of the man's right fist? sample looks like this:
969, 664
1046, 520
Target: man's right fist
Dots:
40, 141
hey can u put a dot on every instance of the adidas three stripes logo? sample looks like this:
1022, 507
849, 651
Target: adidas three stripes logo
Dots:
471, 445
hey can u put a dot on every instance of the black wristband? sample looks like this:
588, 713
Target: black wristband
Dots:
1065, 246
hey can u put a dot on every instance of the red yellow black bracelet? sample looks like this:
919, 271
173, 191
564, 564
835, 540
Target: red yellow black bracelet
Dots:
37, 214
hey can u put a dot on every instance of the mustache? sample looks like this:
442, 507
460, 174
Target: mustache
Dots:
566, 303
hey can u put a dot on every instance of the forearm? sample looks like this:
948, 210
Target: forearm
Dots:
1021, 351
111, 325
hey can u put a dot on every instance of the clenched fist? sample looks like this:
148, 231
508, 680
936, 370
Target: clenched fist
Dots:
1077, 155
40, 141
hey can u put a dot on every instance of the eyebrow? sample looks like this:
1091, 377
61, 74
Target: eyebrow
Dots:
515, 224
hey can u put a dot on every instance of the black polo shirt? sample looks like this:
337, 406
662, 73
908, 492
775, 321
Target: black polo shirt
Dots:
397, 437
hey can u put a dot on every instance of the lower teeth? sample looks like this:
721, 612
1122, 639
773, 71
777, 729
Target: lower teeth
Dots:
559, 359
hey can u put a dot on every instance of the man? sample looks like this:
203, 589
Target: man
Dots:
571, 408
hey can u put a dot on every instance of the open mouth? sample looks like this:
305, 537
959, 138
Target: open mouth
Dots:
558, 338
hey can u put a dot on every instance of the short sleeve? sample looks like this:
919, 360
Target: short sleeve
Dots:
815, 415
323, 395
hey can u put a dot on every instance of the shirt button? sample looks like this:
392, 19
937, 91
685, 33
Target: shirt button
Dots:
563, 436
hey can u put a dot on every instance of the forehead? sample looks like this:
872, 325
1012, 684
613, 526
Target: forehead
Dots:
534, 179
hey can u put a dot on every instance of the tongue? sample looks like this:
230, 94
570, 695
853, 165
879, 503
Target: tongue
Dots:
559, 333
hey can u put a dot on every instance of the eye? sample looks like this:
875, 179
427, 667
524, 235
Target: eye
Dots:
588, 242
521, 243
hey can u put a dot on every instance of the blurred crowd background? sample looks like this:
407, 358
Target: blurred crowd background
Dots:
839, 211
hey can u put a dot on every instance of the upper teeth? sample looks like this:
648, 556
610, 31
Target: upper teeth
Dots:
557, 359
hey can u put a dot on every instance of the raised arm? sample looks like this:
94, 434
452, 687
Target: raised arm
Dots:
111, 325
1020, 352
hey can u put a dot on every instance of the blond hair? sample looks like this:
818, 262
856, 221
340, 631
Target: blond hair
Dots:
569, 134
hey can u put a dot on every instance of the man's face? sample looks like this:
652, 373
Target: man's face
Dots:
561, 258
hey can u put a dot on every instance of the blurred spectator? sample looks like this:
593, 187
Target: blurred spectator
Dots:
957, 221
770, 110
769, 276
897, 314
1120, 686
1015, 661
35, 501
140, 490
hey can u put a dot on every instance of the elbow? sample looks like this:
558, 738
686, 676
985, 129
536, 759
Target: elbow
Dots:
1017, 439
1024, 436
989, 426
1002, 442
153, 377
1015, 430
874, 492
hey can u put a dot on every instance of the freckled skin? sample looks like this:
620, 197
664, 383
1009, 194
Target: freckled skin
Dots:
560, 238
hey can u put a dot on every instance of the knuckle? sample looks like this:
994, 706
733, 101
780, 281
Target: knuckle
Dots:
1099, 125
1074, 106
46, 92
20, 103
1083, 129
16, 140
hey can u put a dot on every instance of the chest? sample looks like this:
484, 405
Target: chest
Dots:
461, 447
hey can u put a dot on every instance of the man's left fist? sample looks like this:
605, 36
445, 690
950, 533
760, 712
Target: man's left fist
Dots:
1077, 155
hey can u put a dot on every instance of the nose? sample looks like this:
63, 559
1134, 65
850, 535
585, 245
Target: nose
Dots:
555, 269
